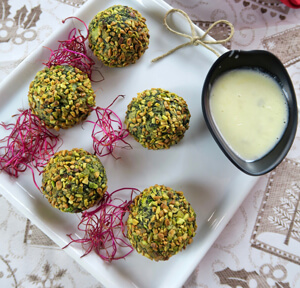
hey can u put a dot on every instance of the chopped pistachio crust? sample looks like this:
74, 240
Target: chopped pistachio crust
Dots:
118, 36
61, 96
74, 180
161, 222
157, 118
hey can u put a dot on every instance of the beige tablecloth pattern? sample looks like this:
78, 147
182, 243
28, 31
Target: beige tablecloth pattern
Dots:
260, 247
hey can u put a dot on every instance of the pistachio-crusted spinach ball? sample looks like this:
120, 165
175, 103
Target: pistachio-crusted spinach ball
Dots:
61, 96
74, 180
161, 222
118, 36
157, 118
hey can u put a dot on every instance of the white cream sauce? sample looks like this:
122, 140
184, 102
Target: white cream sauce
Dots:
250, 111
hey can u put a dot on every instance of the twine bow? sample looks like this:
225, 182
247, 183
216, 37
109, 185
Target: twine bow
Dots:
194, 38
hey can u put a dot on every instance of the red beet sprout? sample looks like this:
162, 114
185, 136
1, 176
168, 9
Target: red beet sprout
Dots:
29, 145
73, 51
105, 135
104, 227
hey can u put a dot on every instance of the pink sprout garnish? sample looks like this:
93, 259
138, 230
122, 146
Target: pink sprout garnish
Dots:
104, 228
108, 130
73, 51
29, 145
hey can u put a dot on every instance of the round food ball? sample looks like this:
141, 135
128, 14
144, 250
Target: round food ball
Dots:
74, 180
118, 36
61, 96
157, 118
161, 222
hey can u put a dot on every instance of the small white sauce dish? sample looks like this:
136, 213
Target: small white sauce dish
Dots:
264, 62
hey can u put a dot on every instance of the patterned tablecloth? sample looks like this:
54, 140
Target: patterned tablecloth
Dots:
260, 247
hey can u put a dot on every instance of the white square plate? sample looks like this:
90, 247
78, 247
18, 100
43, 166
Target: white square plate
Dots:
214, 187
